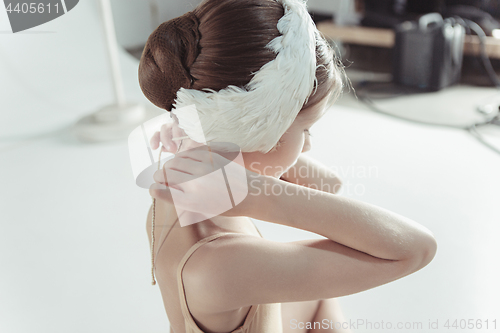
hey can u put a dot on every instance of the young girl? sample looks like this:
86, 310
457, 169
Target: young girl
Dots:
260, 76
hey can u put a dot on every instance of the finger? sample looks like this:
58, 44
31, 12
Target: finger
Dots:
199, 154
155, 141
189, 144
166, 138
179, 170
212, 160
171, 178
161, 192
188, 166
177, 132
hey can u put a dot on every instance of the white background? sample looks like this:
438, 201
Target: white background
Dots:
74, 255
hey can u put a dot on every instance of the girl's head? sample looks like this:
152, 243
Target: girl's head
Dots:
222, 43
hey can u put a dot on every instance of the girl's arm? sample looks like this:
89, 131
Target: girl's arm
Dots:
313, 174
366, 245
356, 224
361, 226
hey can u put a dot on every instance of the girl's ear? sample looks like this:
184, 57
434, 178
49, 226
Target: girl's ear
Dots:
278, 144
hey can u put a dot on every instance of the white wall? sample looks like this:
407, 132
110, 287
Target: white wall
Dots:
343, 10
322, 6
135, 20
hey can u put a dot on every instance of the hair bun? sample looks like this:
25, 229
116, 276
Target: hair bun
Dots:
167, 57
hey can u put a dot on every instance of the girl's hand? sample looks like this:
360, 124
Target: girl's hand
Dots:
193, 181
165, 137
167, 132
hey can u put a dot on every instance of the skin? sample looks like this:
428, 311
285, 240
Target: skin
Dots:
295, 141
283, 162
371, 245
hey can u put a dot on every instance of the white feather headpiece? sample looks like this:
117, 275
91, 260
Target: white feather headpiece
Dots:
256, 116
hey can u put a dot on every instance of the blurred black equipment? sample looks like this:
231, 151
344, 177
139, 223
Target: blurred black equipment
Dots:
428, 53
389, 13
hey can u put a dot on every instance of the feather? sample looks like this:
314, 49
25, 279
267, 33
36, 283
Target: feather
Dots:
256, 116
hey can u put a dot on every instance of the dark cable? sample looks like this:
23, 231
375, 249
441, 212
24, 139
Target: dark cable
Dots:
368, 102
472, 129
484, 56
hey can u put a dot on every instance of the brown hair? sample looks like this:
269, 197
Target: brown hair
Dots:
222, 43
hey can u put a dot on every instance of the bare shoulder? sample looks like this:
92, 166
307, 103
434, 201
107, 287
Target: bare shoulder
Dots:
201, 270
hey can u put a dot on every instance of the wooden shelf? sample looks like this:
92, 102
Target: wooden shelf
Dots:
385, 38
472, 46
357, 35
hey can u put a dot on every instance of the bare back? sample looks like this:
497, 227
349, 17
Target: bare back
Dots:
172, 251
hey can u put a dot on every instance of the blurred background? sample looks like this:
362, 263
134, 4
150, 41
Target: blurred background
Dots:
418, 133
